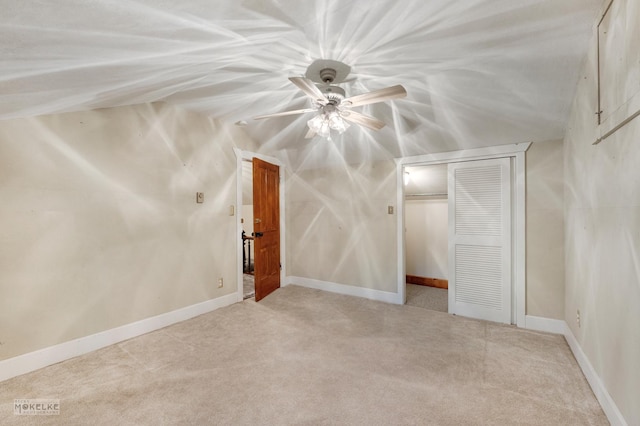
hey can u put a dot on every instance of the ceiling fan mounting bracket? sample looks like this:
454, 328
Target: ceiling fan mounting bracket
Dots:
327, 75
327, 71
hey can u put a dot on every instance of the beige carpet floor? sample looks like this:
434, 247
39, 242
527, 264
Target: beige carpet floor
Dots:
425, 297
308, 357
248, 286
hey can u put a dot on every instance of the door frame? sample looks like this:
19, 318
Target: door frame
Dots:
518, 204
249, 156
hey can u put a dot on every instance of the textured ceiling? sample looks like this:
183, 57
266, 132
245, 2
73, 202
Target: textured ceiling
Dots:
477, 72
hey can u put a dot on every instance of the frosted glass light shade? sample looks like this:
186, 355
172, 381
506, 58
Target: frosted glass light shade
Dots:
316, 123
337, 123
322, 124
324, 130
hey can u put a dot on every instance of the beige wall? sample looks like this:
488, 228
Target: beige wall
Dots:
602, 219
338, 228
545, 230
99, 225
427, 237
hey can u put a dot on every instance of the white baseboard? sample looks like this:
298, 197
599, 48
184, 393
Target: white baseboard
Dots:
349, 290
545, 324
560, 327
32, 361
606, 402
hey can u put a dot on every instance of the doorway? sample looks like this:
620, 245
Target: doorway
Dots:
248, 243
464, 216
466, 248
426, 236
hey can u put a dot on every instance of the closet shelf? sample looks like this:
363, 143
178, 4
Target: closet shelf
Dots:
430, 194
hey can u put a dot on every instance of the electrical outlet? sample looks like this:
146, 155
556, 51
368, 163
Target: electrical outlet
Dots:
578, 317
220, 283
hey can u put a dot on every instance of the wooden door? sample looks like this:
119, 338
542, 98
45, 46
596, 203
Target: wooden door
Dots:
266, 227
480, 239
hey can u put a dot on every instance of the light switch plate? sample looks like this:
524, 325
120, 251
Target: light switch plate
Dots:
199, 197
390, 209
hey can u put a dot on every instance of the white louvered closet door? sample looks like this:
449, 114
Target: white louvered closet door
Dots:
480, 239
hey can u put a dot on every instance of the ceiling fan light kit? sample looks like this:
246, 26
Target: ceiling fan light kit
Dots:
322, 124
329, 101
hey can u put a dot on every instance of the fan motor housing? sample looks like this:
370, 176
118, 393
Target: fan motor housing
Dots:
334, 94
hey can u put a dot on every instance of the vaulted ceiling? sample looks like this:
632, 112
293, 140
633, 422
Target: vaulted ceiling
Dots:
477, 72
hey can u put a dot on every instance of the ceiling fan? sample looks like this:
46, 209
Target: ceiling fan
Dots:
329, 102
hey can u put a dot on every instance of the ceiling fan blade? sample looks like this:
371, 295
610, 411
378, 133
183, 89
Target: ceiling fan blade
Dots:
283, 113
385, 94
310, 134
310, 89
363, 120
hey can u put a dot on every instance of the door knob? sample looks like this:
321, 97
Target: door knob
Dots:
258, 234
